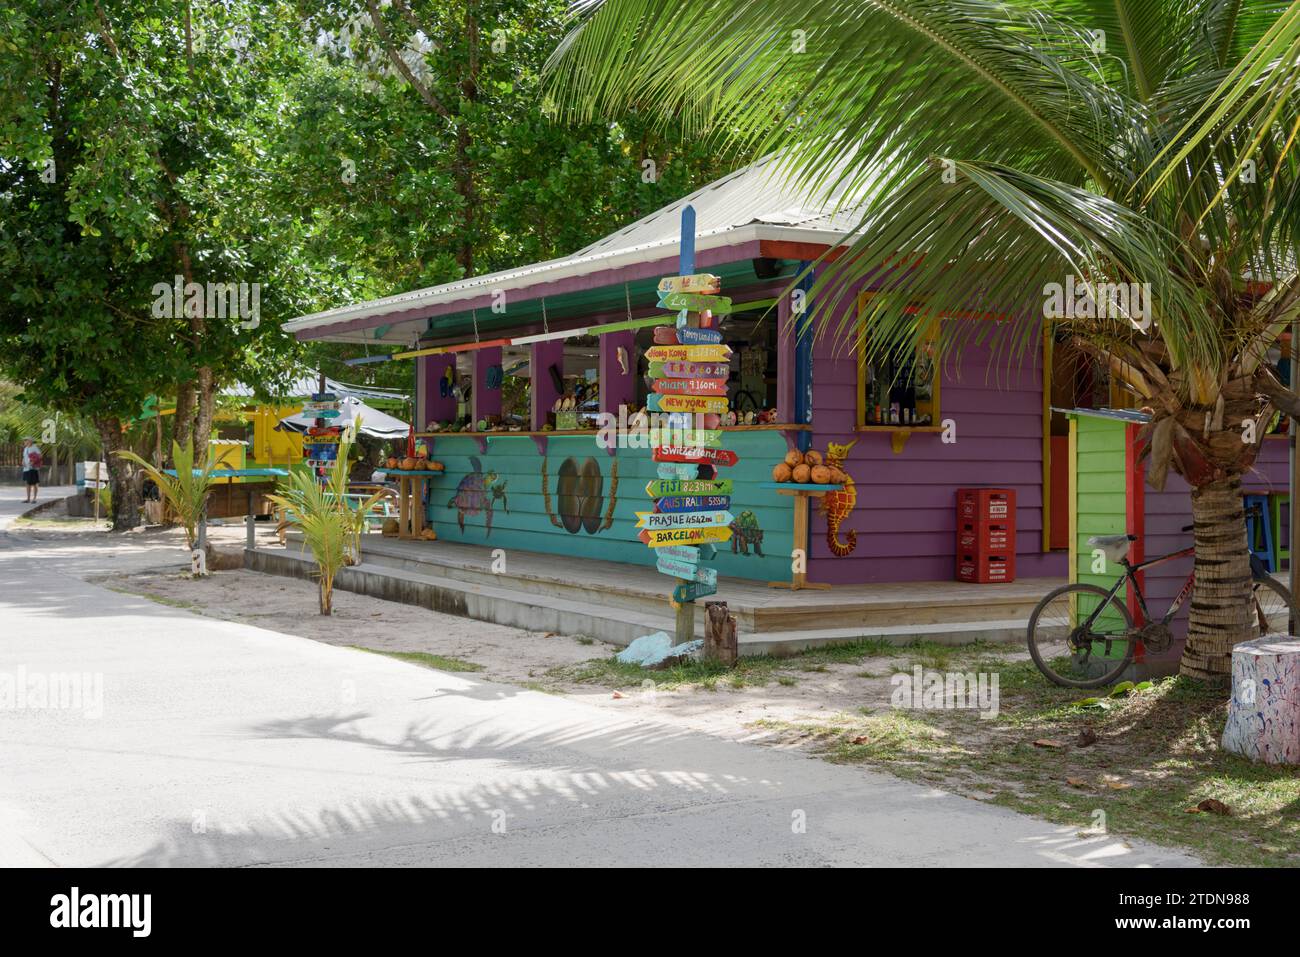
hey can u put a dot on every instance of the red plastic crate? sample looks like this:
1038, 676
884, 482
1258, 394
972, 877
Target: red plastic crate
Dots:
986, 505
984, 538
986, 569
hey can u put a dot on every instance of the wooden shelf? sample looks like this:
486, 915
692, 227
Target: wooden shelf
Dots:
898, 428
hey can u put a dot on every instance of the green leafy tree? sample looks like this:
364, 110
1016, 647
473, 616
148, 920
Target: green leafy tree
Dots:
130, 137
1008, 146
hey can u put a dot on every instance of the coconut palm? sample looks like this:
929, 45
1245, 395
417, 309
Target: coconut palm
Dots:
994, 149
331, 524
186, 492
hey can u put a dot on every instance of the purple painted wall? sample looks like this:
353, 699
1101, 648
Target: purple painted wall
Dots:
435, 407
905, 514
486, 401
542, 392
616, 386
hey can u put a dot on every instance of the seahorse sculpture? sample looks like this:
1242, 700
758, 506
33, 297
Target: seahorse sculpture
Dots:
837, 505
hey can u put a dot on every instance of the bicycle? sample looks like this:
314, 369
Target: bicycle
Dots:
1074, 629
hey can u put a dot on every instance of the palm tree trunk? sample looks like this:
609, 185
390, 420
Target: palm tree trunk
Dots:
326, 594
1221, 613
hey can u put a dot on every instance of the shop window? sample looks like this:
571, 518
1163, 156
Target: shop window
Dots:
899, 388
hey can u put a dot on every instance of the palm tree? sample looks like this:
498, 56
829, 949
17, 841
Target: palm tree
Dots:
186, 492
331, 523
1002, 147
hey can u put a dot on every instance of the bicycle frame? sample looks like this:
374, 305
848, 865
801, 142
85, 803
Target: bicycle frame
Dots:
1130, 575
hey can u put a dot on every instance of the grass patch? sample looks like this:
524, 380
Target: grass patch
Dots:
158, 599
426, 660
1155, 755
757, 670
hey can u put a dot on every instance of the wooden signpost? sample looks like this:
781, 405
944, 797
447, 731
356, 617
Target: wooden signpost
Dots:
707, 353
658, 488
686, 403
703, 283
686, 571
689, 370
689, 366
686, 336
716, 387
695, 453
720, 519
695, 302
659, 537
692, 503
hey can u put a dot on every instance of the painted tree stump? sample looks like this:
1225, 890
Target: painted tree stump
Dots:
1264, 715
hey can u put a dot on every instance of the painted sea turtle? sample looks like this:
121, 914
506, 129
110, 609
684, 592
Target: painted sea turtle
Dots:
478, 492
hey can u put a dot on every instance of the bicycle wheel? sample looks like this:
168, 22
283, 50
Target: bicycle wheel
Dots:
1274, 609
1071, 657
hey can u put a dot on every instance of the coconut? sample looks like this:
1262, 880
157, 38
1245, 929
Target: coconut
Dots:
813, 457
821, 474
390, 527
410, 464
781, 472
793, 458
802, 473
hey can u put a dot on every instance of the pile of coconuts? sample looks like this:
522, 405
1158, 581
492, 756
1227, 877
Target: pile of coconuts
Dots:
806, 468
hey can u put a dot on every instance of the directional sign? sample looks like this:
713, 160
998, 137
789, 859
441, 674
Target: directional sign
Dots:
690, 386
719, 305
685, 570
689, 370
678, 470
703, 282
685, 403
661, 487
709, 438
324, 405
686, 453
692, 503
683, 594
325, 439
698, 337
683, 519
659, 537
682, 553
714, 353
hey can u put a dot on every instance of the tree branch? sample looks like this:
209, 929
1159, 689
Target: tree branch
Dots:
386, 41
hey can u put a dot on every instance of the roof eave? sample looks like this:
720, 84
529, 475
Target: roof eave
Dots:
396, 309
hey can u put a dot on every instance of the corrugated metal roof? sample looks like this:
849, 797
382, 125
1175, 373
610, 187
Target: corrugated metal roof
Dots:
755, 202
761, 193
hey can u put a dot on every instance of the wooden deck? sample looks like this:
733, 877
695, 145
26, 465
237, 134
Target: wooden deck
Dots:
759, 608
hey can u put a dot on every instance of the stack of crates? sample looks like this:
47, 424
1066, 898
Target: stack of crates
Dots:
986, 535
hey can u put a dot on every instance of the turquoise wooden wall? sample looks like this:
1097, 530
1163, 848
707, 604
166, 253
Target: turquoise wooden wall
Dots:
515, 461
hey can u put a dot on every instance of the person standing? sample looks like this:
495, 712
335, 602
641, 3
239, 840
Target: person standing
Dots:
31, 463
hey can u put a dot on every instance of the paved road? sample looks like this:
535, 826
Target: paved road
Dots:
220, 743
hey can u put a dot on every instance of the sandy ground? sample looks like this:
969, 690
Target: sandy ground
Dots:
796, 692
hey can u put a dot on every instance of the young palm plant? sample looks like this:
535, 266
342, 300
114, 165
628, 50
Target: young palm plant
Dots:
186, 492
330, 523
992, 149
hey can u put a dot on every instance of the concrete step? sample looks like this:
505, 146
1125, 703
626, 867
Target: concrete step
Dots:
515, 608
536, 611
612, 597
